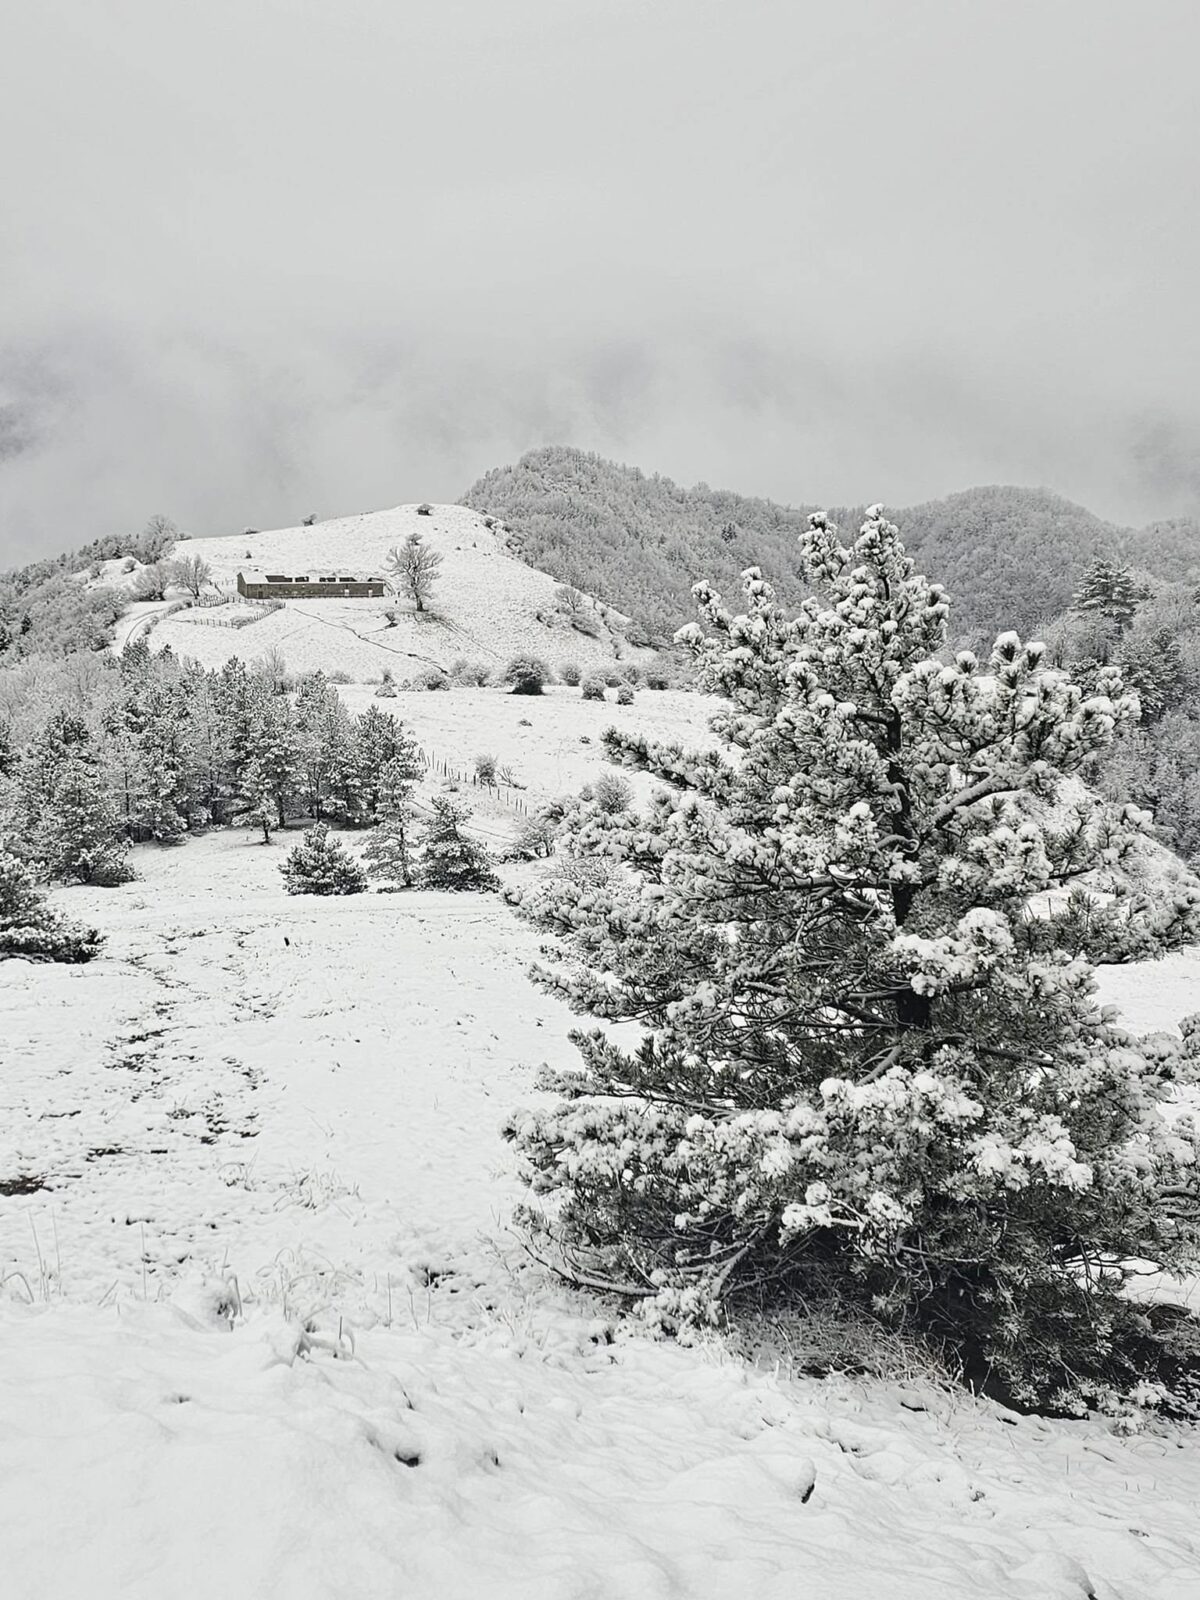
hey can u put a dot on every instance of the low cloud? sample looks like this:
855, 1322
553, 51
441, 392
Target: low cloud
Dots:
271, 261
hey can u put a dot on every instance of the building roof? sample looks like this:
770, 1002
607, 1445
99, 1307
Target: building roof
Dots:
312, 575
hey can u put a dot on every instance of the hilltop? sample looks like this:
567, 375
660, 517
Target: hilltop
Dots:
487, 605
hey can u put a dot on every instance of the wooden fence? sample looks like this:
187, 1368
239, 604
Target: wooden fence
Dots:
507, 793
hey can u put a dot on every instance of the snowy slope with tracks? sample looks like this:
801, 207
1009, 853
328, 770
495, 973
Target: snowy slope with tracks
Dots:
264, 1330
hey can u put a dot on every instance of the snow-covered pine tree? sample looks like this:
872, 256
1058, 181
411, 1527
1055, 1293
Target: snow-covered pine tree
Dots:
385, 757
389, 853
326, 751
1152, 665
269, 761
29, 928
151, 745
872, 1067
70, 823
450, 858
320, 865
1110, 590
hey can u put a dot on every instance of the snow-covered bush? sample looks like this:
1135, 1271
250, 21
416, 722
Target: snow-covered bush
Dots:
593, 688
858, 945
625, 694
431, 678
535, 841
526, 675
320, 865
28, 926
571, 673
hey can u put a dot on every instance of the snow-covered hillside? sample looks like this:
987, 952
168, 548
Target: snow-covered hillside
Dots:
264, 1330
487, 605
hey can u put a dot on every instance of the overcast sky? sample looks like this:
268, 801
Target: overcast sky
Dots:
265, 257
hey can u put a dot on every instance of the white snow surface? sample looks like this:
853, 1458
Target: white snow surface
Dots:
265, 1332
485, 604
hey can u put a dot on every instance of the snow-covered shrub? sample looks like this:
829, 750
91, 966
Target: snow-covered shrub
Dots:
873, 1064
610, 793
431, 678
450, 858
535, 841
473, 674
485, 770
625, 694
320, 865
28, 926
571, 673
593, 688
152, 582
339, 675
526, 675
657, 678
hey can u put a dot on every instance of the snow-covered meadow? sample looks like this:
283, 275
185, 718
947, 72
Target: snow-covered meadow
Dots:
265, 1330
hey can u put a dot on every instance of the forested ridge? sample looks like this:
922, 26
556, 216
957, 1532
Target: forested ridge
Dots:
639, 541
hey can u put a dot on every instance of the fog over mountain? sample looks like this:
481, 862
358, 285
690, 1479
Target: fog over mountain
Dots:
271, 259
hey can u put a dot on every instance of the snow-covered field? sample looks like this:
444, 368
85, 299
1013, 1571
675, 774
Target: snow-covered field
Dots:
551, 742
264, 1330
487, 605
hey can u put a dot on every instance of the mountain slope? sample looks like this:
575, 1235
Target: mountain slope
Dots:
640, 542
1010, 557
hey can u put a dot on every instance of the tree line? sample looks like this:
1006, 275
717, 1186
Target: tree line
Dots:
152, 748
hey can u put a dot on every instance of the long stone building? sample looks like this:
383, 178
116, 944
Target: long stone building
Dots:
281, 586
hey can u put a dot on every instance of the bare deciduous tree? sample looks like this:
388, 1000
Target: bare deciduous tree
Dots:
414, 566
192, 573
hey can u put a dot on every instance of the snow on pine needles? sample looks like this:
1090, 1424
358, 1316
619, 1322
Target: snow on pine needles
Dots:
264, 1330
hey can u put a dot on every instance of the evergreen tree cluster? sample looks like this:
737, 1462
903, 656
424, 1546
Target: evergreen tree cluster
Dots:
97, 755
860, 947
1150, 631
442, 855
